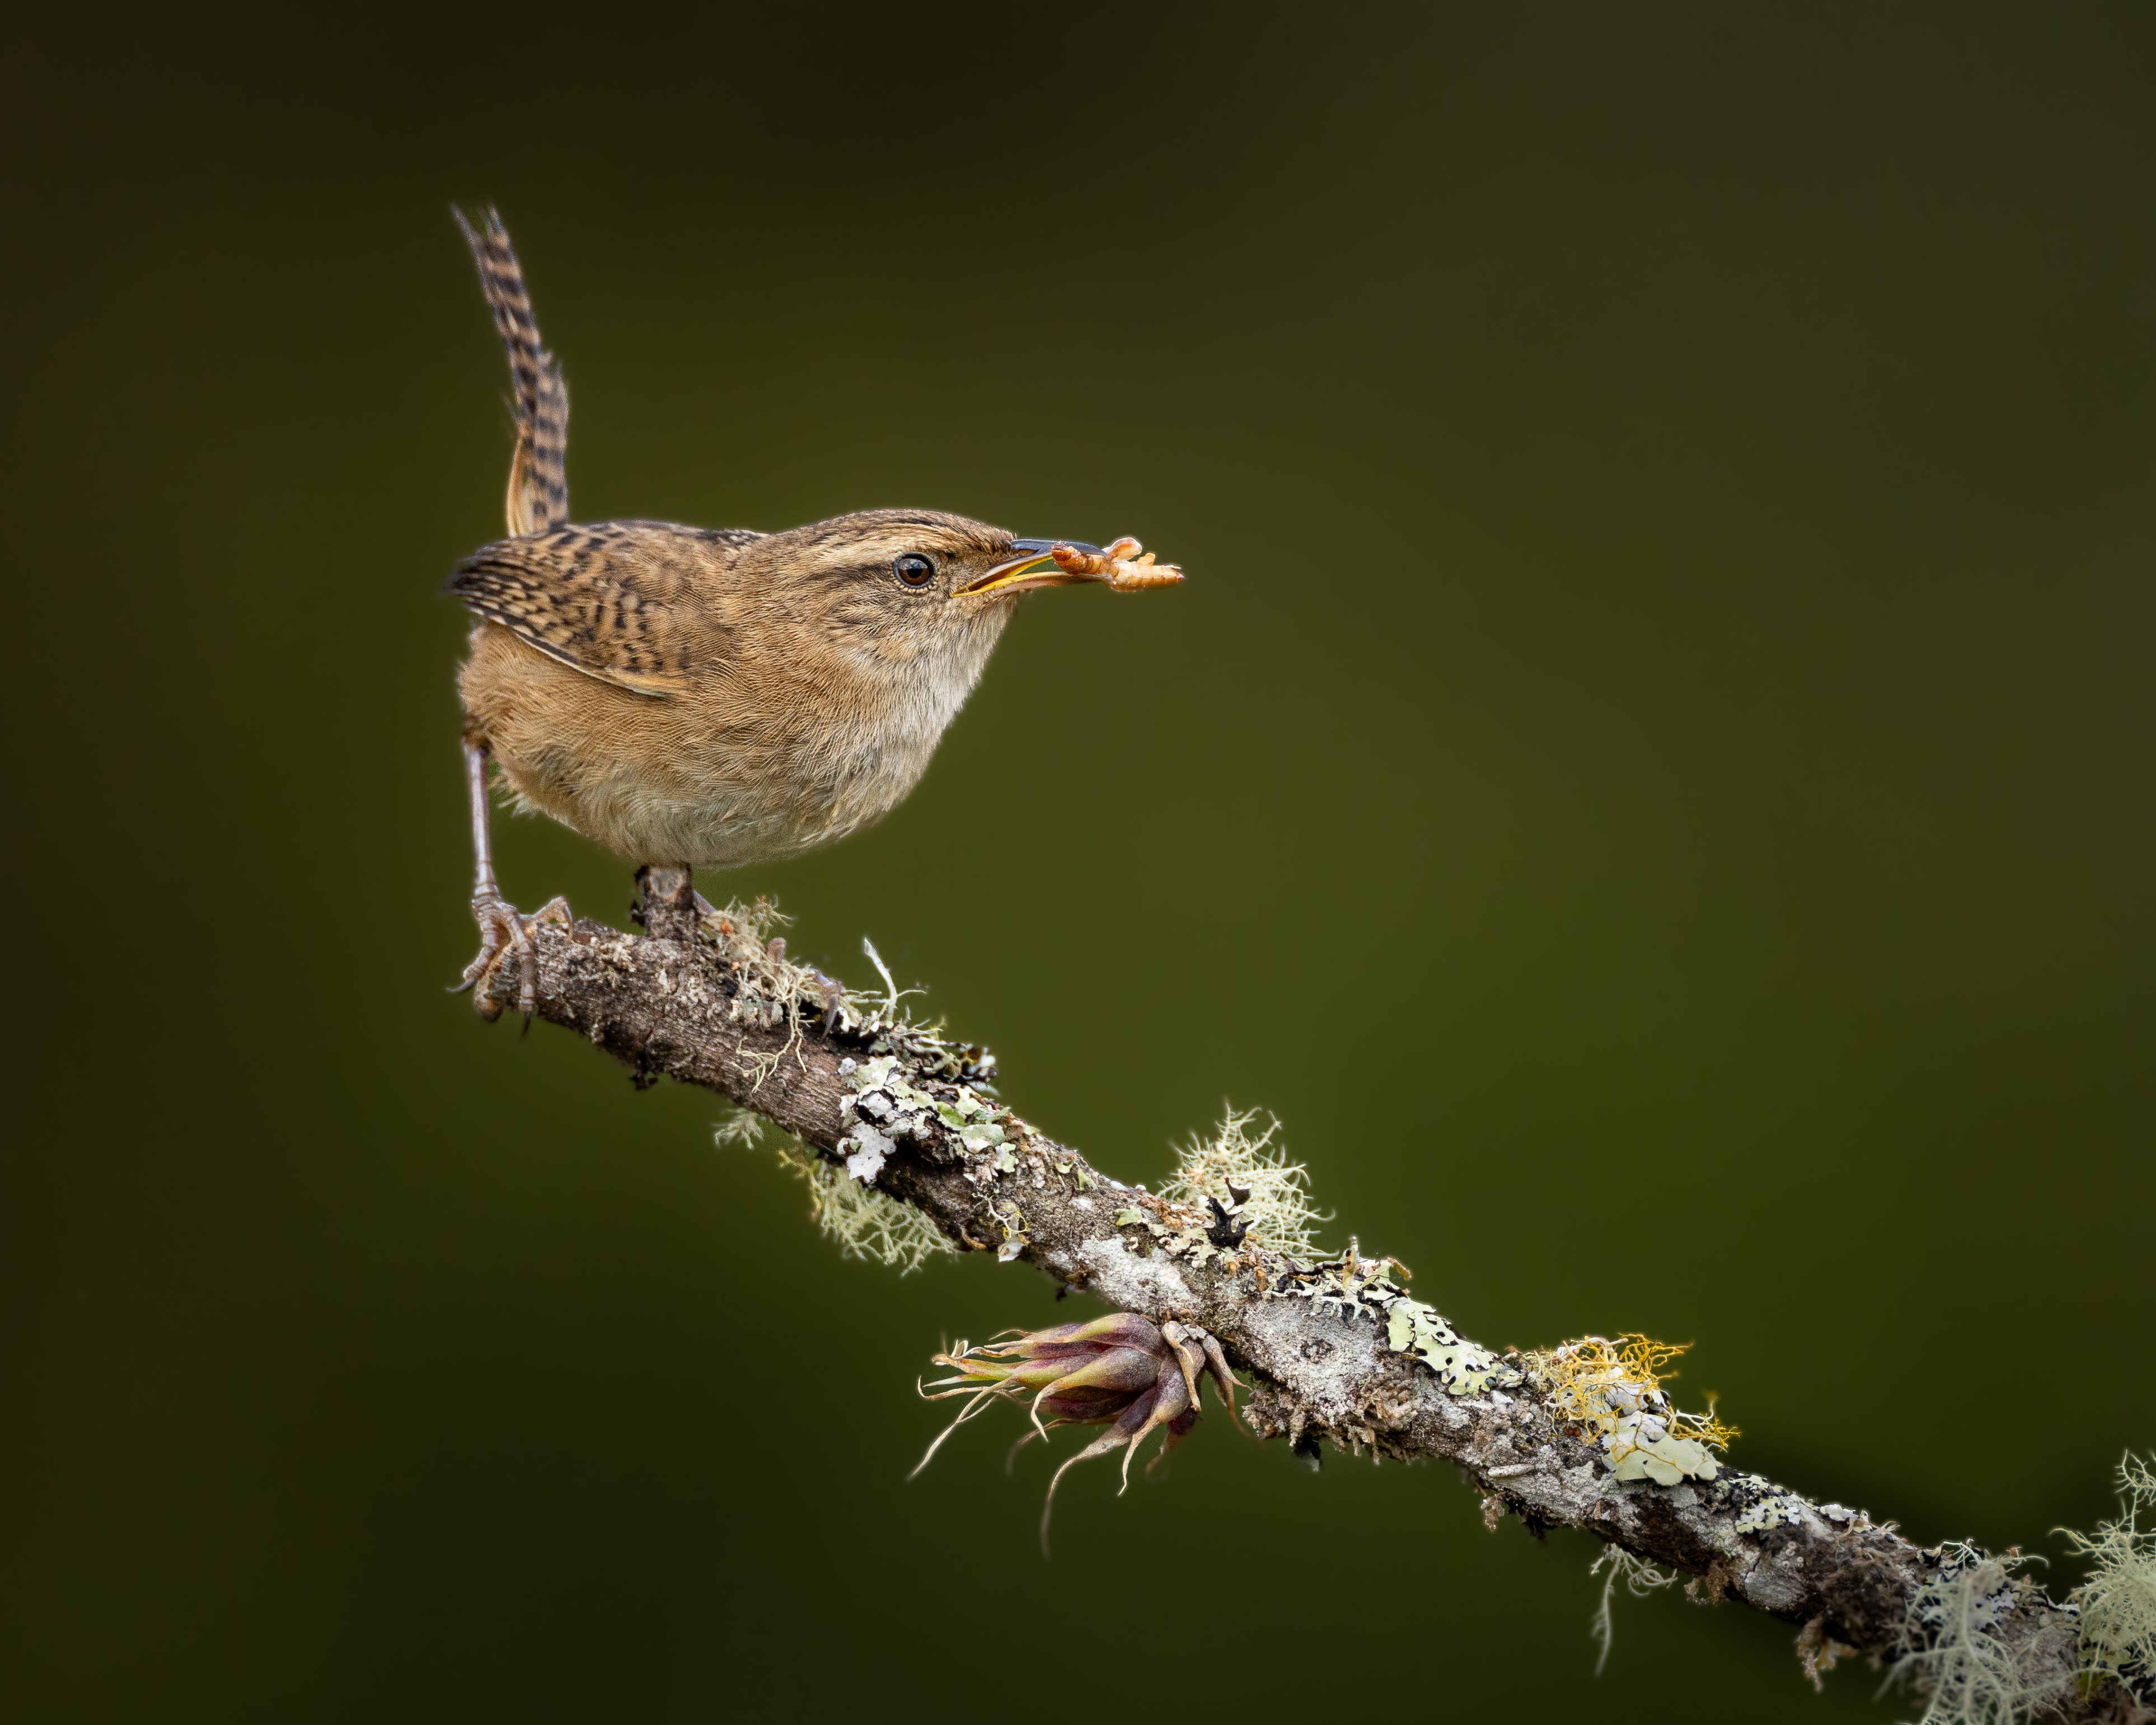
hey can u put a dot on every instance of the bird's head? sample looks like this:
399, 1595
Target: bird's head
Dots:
910, 585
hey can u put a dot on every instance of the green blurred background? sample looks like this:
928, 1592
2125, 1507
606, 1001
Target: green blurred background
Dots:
1649, 777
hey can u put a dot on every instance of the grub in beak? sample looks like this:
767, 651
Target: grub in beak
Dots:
1063, 563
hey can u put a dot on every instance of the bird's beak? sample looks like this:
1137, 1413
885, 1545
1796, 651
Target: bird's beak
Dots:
1031, 567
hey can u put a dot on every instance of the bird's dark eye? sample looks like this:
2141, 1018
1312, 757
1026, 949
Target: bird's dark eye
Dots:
914, 569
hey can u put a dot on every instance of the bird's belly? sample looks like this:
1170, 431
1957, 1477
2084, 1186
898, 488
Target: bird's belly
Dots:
714, 807
669, 780
729, 825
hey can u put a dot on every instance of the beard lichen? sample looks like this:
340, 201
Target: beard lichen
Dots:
742, 1129
771, 989
1951, 1650
1641, 1577
2117, 1602
1247, 1174
865, 1224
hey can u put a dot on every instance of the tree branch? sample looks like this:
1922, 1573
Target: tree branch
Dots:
1335, 1351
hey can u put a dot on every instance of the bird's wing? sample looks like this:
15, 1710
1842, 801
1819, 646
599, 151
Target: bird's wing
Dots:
620, 601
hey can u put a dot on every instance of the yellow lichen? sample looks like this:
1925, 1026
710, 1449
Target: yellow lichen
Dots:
1614, 1389
1582, 1374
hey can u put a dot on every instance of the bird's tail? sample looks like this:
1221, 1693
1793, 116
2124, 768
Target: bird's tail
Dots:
538, 479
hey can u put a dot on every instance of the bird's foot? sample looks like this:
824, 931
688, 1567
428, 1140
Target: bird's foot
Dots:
503, 929
1119, 565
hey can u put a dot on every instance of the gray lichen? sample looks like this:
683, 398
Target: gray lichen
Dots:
1776, 1509
1353, 1287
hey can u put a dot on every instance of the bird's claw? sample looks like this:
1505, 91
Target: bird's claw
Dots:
502, 930
1120, 565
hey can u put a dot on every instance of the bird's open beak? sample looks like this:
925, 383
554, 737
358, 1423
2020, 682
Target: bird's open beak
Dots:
1031, 568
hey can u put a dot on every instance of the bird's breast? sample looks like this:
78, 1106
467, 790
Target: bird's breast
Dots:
789, 762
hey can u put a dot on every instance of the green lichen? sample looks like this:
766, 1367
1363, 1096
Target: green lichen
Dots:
1416, 1329
1353, 1286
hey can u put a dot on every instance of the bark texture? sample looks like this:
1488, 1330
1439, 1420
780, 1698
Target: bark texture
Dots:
1320, 1360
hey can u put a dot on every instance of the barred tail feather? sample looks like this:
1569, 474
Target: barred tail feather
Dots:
538, 479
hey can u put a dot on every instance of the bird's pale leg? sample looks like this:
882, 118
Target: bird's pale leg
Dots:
484, 888
501, 928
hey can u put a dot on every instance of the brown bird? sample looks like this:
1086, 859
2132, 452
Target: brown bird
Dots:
697, 697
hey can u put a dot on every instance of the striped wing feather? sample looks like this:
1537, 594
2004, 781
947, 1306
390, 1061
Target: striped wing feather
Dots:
616, 601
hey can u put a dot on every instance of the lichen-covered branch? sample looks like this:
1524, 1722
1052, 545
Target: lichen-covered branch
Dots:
1332, 1350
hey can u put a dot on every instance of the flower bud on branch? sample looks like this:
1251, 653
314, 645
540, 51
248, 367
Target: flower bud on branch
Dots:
1123, 1371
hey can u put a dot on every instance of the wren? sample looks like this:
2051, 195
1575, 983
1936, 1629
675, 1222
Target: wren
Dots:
695, 697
